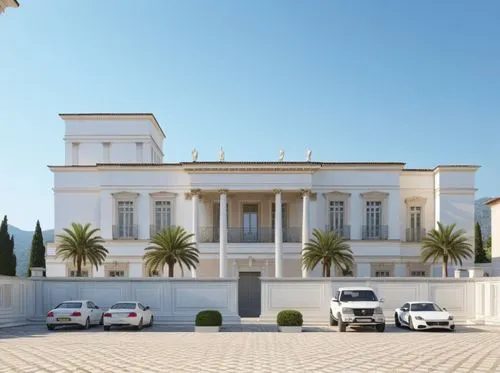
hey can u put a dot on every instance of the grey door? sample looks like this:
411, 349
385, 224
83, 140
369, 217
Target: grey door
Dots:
249, 294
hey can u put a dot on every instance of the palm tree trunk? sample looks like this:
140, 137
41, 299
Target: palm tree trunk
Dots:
171, 270
79, 267
328, 271
445, 268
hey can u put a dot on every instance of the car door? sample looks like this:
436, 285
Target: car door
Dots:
90, 312
98, 312
336, 305
405, 312
146, 314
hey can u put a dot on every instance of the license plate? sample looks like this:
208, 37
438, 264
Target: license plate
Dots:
63, 319
364, 320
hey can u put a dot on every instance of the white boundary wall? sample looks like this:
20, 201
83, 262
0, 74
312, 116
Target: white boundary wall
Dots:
171, 300
475, 300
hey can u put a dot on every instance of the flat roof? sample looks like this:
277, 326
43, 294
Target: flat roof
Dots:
84, 116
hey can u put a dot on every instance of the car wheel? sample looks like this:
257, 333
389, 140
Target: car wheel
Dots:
333, 322
107, 327
101, 322
410, 324
87, 324
151, 322
380, 328
139, 327
50, 327
342, 325
396, 321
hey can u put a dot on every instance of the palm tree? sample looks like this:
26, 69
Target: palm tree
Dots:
81, 244
446, 244
330, 249
170, 246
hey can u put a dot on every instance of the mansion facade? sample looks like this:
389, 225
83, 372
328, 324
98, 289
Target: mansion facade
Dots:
246, 217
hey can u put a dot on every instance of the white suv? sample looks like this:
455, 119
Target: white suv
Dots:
357, 306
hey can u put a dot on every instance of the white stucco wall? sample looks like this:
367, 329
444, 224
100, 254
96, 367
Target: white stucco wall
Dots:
495, 238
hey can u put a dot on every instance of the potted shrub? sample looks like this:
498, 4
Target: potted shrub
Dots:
290, 321
208, 321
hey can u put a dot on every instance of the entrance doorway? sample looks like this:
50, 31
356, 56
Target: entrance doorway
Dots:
249, 294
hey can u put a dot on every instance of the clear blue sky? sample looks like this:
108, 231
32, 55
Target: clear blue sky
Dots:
417, 82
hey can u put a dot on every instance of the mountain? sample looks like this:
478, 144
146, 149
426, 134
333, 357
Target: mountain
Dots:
22, 242
483, 216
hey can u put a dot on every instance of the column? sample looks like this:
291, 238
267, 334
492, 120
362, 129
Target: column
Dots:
305, 223
195, 196
135, 270
400, 270
222, 233
99, 272
278, 235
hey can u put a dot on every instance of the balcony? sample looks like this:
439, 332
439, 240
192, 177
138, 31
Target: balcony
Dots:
415, 234
375, 232
244, 235
126, 232
344, 231
154, 229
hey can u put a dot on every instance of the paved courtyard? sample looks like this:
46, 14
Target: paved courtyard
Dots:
247, 348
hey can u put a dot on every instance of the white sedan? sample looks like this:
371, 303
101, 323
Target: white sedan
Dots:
422, 316
75, 312
128, 314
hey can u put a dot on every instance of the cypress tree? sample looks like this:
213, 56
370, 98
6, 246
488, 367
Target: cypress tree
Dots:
480, 256
7, 256
37, 253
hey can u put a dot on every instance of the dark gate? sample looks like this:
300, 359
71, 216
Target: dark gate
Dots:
249, 294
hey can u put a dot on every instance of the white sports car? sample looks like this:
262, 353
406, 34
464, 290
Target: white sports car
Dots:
422, 316
75, 312
128, 314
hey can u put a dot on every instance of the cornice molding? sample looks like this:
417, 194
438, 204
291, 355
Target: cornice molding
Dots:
336, 195
125, 195
415, 200
374, 194
163, 194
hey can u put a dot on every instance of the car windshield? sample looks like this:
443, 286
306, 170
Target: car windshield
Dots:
358, 296
423, 307
70, 305
123, 306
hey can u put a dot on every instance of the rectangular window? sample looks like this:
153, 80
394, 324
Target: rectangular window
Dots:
250, 222
72, 273
163, 215
382, 274
336, 216
139, 151
115, 273
415, 220
106, 151
126, 219
417, 273
373, 219
75, 153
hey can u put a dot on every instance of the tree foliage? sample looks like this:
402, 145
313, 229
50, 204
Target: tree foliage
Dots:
171, 246
37, 252
480, 252
81, 244
446, 244
329, 249
7, 256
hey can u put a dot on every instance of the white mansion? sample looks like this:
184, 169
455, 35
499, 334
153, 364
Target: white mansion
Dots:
247, 217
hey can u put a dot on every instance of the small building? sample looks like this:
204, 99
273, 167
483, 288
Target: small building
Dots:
494, 204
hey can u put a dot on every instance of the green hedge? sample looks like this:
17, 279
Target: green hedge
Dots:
208, 318
289, 318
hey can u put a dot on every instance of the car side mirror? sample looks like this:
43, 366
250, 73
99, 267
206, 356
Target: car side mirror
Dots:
335, 300
444, 309
96, 307
404, 309
146, 308
381, 300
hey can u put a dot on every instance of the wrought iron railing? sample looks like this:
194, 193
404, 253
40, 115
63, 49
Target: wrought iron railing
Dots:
375, 232
154, 229
415, 234
242, 235
344, 231
125, 232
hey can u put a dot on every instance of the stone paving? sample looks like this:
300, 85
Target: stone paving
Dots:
248, 348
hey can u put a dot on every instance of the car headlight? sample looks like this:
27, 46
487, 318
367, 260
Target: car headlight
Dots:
419, 318
450, 317
346, 310
378, 311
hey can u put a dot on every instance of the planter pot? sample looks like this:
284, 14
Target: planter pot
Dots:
207, 329
290, 329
